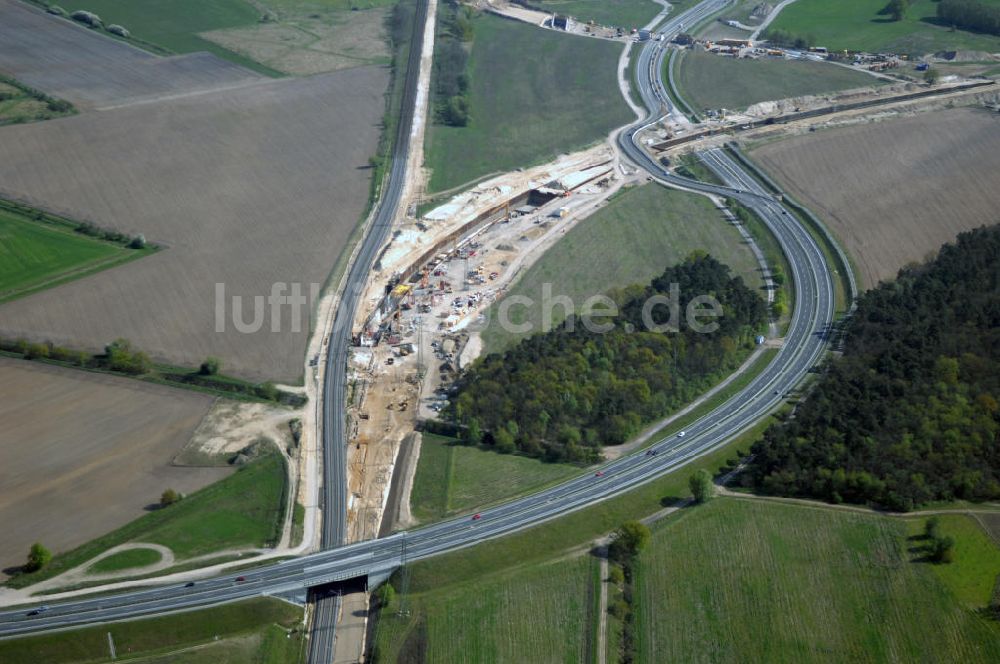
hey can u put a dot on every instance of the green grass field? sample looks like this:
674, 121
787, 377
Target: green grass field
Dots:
128, 559
709, 81
175, 24
576, 529
858, 25
305, 5
534, 94
759, 581
991, 523
634, 238
35, 255
245, 509
540, 613
269, 644
624, 13
452, 479
251, 631
973, 576
18, 106
138, 574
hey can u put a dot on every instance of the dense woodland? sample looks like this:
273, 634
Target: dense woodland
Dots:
909, 413
563, 393
451, 58
970, 15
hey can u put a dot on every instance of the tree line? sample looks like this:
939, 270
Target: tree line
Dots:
564, 393
122, 357
54, 105
909, 413
787, 38
970, 15
451, 59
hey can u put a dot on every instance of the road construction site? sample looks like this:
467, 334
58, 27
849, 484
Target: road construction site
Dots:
433, 281
553, 21
430, 287
431, 284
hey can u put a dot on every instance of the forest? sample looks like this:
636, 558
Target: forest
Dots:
908, 414
563, 393
451, 78
970, 15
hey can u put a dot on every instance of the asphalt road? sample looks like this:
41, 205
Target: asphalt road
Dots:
322, 641
805, 343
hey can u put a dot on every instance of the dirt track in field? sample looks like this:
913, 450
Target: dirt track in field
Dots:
245, 187
91, 70
82, 454
894, 191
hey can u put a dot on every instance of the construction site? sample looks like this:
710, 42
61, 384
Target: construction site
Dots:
431, 287
561, 23
434, 282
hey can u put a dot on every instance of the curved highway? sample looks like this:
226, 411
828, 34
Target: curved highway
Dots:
804, 344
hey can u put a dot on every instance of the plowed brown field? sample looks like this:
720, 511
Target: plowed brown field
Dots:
82, 454
69, 61
895, 191
245, 187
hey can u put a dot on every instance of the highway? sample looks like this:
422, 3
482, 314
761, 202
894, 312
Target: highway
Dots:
804, 345
322, 640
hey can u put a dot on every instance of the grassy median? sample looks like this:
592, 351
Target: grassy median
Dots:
259, 630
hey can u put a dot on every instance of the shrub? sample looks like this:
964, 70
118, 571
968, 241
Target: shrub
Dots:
897, 9
386, 595
88, 18
456, 112
942, 550
618, 609
116, 29
210, 366
626, 542
701, 486
62, 354
295, 426
169, 497
87, 228
504, 442
121, 357
36, 352
38, 557
267, 391
58, 105
472, 435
